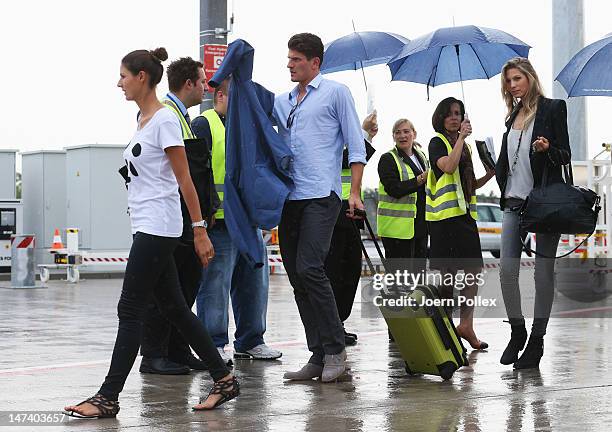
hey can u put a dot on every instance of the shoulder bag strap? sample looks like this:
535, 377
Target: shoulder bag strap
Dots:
528, 249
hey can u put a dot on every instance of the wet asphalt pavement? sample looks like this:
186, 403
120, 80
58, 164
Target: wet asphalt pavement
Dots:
56, 344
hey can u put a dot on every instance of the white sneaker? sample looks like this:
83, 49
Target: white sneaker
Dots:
259, 352
227, 359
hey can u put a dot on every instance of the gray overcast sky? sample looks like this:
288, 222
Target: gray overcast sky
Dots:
61, 60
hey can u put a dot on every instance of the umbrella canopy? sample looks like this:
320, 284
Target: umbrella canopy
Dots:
361, 49
588, 72
454, 54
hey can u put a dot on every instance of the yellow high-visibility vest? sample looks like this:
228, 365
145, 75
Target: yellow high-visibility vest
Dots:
444, 197
345, 176
395, 216
185, 127
217, 131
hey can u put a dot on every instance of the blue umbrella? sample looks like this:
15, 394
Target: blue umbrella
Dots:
588, 72
454, 54
361, 49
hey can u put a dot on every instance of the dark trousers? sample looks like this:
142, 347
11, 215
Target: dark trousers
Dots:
159, 337
151, 272
404, 248
304, 234
343, 266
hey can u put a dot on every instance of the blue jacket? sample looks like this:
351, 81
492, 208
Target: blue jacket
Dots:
257, 160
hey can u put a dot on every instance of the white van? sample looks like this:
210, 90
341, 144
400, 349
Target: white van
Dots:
489, 227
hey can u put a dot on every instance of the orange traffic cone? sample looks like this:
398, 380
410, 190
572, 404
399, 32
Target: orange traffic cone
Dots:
57, 241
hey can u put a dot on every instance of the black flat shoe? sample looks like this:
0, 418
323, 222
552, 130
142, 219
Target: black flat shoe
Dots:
516, 344
349, 340
530, 359
192, 362
228, 390
162, 366
353, 335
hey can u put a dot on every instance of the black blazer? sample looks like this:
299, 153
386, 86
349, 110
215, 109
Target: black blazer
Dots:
551, 123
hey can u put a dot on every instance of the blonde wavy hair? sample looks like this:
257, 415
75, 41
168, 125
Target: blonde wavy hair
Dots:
399, 122
530, 100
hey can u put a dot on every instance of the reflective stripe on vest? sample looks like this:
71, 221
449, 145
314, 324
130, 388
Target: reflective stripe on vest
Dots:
345, 177
217, 132
395, 216
185, 127
444, 197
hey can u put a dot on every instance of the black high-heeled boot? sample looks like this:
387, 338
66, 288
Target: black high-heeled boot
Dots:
517, 341
532, 354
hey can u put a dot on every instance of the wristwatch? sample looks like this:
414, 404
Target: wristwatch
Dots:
201, 224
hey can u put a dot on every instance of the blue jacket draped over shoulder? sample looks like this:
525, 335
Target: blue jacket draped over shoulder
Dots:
257, 160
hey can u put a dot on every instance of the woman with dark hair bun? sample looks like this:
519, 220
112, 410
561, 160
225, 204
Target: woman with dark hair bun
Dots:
157, 167
451, 209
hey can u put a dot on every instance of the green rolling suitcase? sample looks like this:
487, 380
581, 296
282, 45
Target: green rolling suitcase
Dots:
425, 335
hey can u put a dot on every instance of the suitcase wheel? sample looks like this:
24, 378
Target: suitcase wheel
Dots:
447, 370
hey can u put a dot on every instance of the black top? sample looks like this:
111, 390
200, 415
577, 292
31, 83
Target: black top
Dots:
396, 188
550, 122
369, 152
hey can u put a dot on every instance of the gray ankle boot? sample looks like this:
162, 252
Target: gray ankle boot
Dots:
335, 366
308, 372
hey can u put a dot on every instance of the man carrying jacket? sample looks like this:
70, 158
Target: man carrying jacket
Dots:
163, 348
316, 119
230, 273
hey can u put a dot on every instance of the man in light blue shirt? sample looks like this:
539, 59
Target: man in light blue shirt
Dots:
316, 119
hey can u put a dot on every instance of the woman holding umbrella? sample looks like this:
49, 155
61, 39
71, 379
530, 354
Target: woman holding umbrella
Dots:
536, 138
451, 207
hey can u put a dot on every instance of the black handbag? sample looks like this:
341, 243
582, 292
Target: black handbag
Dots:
560, 208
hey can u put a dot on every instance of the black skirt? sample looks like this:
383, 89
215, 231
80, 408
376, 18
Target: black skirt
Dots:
455, 243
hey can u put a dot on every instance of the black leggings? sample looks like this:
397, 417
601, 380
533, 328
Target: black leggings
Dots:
151, 270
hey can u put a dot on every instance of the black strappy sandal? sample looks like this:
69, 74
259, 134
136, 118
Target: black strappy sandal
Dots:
228, 390
106, 408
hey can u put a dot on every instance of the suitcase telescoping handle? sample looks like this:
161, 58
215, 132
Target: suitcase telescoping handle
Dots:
362, 214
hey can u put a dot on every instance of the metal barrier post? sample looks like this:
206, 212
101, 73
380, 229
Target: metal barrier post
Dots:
23, 266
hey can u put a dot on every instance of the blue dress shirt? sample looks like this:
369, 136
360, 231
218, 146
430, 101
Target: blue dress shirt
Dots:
323, 123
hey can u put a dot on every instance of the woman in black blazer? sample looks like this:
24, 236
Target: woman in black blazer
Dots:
536, 137
406, 147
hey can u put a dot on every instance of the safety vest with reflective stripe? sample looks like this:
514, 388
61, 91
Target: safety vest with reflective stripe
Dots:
444, 198
185, 127
217, 132
395, 216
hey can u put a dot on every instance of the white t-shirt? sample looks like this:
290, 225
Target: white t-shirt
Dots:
520, 180
416, 161
153, 197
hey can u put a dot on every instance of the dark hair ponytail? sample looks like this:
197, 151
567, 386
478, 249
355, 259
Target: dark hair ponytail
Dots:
147, 61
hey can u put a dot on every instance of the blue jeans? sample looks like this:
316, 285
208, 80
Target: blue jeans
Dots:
230, 274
